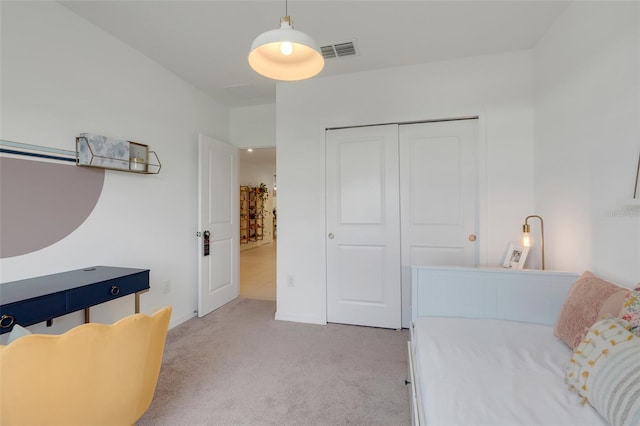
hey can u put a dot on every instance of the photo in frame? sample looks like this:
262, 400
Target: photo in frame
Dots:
516, 256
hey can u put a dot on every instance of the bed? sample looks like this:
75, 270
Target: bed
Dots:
483, 349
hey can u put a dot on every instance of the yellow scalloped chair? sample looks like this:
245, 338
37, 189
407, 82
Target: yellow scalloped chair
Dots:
94, 374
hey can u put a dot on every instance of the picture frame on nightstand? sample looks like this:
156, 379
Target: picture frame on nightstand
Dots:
515, 257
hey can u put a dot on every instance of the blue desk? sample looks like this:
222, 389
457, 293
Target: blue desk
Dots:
34, 300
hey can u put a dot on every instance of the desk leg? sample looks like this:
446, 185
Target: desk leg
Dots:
138, 293
86, 316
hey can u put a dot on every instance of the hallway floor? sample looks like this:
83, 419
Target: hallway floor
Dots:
258, 272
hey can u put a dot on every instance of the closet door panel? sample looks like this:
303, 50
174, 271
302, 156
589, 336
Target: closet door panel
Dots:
363, 229
439, 197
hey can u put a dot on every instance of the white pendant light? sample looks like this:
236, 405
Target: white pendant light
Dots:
285, 54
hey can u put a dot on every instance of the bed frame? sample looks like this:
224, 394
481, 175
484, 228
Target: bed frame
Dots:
516, 295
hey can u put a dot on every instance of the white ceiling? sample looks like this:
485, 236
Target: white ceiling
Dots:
206, 42
257, 156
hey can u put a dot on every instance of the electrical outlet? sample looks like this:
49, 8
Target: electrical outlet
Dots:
290, 281
166, 287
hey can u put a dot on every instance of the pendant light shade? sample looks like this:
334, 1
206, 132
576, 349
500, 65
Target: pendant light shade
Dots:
285, 54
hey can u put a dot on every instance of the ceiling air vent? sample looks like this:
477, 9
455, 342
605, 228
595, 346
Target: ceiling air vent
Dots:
338, 50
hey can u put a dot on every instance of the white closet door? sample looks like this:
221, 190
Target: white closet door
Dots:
363, 229
439, 197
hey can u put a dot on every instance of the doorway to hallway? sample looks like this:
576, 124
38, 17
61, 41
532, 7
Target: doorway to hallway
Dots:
257, 170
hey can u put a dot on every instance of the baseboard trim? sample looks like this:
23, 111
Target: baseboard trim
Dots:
300, 318
177, 321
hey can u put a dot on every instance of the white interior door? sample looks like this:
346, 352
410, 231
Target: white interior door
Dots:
439, 197
218, 213
363, 230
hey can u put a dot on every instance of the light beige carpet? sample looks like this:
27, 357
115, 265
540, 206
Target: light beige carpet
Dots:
239, 366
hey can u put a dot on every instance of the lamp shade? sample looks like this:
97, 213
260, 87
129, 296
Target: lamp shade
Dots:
301, 58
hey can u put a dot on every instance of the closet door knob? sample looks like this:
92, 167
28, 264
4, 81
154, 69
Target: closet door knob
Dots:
331, 236
472, 237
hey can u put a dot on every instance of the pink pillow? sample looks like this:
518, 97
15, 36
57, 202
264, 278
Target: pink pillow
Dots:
613, 304
581, 308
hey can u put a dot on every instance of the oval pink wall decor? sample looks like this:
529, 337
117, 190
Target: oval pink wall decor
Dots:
41, 203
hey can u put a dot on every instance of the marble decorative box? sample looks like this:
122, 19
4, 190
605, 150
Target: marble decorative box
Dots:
102, 151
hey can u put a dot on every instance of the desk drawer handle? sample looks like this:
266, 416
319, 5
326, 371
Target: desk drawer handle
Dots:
6, 321
115, 290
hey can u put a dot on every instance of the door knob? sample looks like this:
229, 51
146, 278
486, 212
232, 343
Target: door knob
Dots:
472, 237
331, 236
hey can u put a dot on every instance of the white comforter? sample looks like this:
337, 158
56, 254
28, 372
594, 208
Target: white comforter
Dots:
476, 372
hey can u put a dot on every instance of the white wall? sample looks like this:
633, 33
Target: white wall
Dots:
587, 131
497, 88
254, 126
62, 76
253, 174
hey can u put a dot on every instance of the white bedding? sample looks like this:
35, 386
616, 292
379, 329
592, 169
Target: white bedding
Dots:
477, 372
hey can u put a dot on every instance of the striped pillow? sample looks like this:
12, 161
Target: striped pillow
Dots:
605, 370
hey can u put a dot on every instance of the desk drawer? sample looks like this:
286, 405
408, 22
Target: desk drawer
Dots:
33, 311
82, 297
